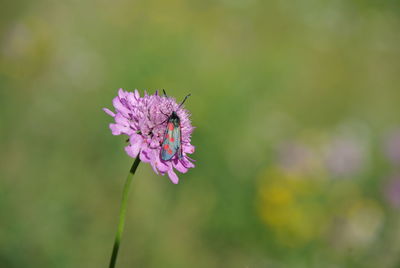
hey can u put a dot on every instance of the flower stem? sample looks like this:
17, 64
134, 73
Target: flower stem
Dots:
122, 212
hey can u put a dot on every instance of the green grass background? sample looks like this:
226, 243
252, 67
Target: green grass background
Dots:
261, 73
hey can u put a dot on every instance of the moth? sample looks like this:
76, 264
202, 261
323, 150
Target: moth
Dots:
172, 143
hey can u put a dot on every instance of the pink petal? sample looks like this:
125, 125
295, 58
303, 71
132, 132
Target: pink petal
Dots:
145, 154
188, 148
135, 138
173, 177
121, 120
108, 112
117, 129
121, 93
179, 166
187, 163
137, 95
131, 99
154, 143
162, 166
134, 147
153, 161
153, 165
190, 159
119, 107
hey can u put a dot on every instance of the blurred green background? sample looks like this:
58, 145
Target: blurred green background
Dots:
296, 108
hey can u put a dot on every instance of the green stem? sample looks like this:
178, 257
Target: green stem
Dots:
122, 212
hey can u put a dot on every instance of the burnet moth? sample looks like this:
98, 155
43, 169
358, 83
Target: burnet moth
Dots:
172, 143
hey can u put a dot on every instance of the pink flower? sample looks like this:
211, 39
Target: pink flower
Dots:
346, 156
392, 191
392, 146
144, 121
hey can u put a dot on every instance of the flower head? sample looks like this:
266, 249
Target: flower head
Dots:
346, 156
392, 191
144, 121
392, 146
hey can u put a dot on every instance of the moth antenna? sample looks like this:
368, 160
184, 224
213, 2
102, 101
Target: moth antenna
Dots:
165, 94
187, 96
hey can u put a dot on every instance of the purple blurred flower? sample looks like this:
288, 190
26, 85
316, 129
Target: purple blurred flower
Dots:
144, 120
295, 157
392, 147
392, 192
345, 156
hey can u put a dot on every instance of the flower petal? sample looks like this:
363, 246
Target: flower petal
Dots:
185, 161
154, 143
121, 93
162, 166
132, 100
190, 159
108, 112
188, 148
153, 165
173, 177
179, 166
134, 147
121, 120
137, 95
117, 129
145, 154
119, 107
153, 160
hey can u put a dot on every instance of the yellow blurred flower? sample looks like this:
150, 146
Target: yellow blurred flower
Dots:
357, 224
292, 206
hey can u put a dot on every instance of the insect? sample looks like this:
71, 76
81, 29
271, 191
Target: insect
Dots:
172, 143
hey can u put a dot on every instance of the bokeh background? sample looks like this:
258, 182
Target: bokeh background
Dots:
296, 108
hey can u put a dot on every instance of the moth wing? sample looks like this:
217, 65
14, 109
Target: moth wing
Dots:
179, 143
176, 134
172, 142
